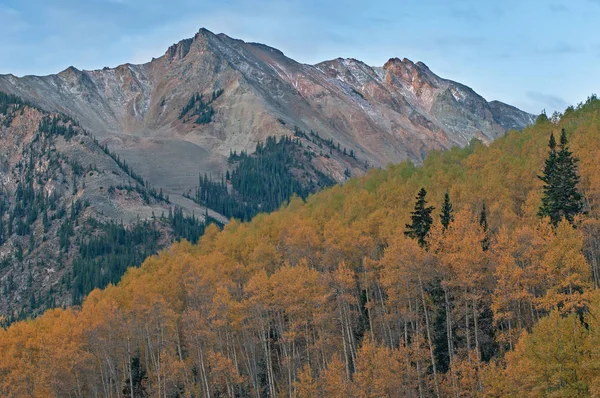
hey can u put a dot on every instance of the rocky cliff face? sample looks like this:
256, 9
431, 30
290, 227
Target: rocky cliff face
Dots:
383, 114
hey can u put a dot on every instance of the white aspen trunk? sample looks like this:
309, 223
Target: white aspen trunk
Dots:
129, 366
476, 326
203, 376
435, 380
467, 331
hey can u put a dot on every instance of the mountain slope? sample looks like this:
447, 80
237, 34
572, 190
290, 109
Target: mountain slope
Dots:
328, 297
383, 114
73, 216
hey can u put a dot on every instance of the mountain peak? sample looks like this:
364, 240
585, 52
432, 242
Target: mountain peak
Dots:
180, 49
413, 75
384, 114
71, 70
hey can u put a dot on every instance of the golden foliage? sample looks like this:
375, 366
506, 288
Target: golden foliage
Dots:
328, 298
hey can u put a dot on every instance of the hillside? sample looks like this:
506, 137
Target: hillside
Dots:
384, 114
73, 216
329, 298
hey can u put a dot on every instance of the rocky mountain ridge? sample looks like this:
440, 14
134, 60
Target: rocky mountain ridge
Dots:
384, 114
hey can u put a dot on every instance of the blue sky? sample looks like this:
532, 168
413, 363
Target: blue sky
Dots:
532, 54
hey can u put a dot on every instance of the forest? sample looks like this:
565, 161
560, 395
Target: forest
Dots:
474, 274
262, 181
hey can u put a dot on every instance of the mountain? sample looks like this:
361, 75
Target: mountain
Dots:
73, 215
103, 168
382, 114
329, 298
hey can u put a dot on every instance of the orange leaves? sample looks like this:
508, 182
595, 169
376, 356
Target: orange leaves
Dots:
223, 374
306, 386
462, 262
299, 291
380, 372
330, 299
567, 272
333, 381
551, 361
44, 358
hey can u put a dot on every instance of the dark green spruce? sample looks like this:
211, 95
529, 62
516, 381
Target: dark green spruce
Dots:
421, 220
560, 199
485, 243
262, 181
447, 215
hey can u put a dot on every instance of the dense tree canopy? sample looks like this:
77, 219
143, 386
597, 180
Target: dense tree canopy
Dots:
262, 181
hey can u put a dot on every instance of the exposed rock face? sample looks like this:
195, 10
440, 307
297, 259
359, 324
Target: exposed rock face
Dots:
384, 114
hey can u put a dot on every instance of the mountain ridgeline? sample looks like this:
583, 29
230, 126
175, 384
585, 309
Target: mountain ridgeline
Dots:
212, 94
474, 290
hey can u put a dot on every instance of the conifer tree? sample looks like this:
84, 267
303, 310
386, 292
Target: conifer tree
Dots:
548, 207
447, 215
135, 385
569, 199
421, 219
560, 199
485, 243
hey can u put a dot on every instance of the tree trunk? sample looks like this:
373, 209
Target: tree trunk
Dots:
435, 380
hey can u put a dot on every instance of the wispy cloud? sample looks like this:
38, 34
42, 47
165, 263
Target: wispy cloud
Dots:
553, 50
548, 101
12, 20
560, 48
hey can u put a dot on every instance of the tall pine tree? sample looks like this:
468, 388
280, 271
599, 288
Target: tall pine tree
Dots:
560, 198
447, 215
421, 219
548, 207
485, 243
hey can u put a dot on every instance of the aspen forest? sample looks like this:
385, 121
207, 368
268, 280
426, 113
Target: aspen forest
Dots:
469, 275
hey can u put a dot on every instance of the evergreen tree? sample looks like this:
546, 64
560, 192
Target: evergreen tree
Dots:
260, 182
447, 215
548, 207
137, 379
569, 199
421, 219
485, 243
560, 199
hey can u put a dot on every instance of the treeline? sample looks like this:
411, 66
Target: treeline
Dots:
8, 105
58, 126
112, 248
32, 214
260, 182
9, 102
319, 141
360, 291
104, 257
